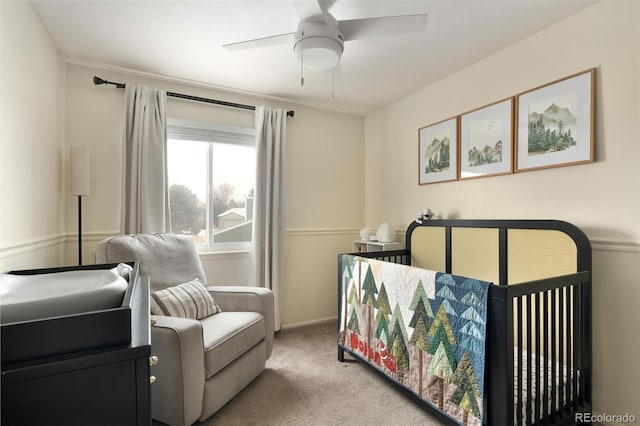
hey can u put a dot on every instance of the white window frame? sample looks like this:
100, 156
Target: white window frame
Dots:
182, 129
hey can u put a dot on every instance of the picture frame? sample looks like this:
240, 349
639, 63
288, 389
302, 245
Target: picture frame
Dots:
486, 140
437, 152
555, 123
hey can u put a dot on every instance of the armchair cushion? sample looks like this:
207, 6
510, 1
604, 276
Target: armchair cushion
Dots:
229, 335
187, 300
168, 259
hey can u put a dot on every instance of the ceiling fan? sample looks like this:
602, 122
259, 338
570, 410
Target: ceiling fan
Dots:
319, 40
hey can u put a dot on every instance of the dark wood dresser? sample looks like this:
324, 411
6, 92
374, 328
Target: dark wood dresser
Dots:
95, 368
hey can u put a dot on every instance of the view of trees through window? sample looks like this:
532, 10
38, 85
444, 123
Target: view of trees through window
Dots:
211, 190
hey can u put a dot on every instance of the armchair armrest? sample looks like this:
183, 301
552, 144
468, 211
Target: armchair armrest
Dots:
180, 372
248, 299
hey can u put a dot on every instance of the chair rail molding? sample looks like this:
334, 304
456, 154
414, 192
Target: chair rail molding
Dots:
303, 232
611, 244
15, 248
18, 247
90, 236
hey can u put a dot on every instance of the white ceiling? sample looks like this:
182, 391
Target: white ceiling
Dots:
183, 39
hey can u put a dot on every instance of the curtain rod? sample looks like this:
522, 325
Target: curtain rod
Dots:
98, 81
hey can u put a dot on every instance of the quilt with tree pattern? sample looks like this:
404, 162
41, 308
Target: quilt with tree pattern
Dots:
424, 329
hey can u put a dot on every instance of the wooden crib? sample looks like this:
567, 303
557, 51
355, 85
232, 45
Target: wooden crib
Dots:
537, 349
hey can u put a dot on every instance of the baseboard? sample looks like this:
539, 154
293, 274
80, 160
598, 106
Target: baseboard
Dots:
309, 323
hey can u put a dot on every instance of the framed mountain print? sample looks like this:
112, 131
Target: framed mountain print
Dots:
486, 140
437, 152
555, 123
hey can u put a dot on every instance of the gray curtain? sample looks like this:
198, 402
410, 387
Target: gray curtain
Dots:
267, 250
145, 198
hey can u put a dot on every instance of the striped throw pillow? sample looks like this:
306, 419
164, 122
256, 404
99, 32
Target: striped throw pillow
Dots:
187, 300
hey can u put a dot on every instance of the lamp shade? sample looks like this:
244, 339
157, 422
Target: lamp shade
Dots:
79, 161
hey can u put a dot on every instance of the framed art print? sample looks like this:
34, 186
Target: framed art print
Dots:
555, 123
437, 152
486, 140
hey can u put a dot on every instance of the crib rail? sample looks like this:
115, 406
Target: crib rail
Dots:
536, 357
547, 361
538, 343
393, 256
549, 322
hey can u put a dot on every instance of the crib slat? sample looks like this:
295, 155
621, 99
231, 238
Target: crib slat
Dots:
570, 332
561, 348
529, 360
586, 338
538, 354
552, 358
577, 332
545, 338
519, 360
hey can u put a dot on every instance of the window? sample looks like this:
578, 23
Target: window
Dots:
212, 170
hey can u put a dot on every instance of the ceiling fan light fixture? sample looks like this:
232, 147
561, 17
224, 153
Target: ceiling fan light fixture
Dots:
319, 43
319, 52
319, 40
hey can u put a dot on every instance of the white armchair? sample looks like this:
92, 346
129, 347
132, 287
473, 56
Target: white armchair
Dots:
202, 363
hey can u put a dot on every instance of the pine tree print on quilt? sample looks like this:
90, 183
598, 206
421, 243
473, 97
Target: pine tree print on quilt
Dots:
424, 329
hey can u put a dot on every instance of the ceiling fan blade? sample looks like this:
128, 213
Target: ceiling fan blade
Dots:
326, 5
309, 8
358, 29
261, 42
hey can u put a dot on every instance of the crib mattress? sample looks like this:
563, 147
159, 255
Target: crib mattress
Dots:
552, 386
34, 297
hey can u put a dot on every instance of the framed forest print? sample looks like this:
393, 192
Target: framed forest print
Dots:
486, 140
555, 123
437, 152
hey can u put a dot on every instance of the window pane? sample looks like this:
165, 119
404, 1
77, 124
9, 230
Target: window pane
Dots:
233, 178
211, 191
187, 164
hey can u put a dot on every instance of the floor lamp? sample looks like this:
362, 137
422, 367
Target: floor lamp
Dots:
79, 159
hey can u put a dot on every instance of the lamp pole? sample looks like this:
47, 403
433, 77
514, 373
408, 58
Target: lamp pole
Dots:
79, 229
79, 177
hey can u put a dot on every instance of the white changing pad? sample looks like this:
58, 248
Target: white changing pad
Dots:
39, 296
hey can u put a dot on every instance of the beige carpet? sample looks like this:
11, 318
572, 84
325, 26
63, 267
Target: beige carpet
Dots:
304, 384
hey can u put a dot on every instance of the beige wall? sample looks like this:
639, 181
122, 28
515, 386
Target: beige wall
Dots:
603, 198
47, 107
324, 170
30, 140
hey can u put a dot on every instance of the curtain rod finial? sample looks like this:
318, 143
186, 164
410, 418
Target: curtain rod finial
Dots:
97, 81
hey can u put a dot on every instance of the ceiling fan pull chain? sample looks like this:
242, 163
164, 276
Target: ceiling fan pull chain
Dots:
302, 60
332, 96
